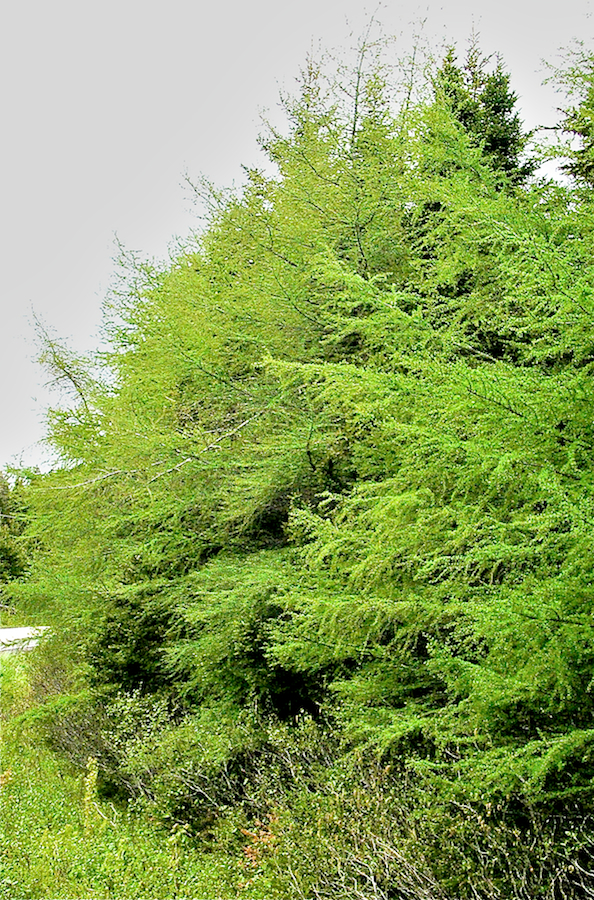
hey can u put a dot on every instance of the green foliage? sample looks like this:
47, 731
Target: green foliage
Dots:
484, 105
578, 80
13, 555
333, 479
61, 839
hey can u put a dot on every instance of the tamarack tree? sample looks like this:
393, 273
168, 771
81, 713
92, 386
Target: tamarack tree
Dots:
341, 463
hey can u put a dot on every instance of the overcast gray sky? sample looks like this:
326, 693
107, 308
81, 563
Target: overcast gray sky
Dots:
105, 106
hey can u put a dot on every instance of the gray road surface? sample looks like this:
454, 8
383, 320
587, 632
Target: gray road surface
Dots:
12, 640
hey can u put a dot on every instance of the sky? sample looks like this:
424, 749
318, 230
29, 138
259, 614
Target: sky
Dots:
106, 106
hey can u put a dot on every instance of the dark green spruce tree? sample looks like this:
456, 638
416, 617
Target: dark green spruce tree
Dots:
484, 104
12, 524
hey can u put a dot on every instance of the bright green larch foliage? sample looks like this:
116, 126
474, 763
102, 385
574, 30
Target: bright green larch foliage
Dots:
579, 119
340, 467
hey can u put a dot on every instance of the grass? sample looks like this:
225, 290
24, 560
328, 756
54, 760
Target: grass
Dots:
60, 841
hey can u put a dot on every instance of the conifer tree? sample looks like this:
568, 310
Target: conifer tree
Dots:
484, 104
341, 467
12, 524
579, 120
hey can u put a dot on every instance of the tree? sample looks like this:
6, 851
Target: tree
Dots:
484, 104
578, 120
341, 465
13, 561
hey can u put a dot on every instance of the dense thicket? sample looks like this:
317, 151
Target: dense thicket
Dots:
13, 559
323, 531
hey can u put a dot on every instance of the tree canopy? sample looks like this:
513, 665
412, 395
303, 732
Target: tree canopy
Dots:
337, 464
